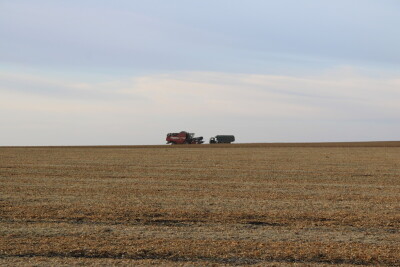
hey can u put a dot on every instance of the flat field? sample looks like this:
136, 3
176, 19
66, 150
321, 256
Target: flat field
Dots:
239, 204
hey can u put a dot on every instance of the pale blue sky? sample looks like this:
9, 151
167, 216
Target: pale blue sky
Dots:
128, 72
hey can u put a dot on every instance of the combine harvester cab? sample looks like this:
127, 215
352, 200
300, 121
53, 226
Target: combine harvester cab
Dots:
183, 138
222, 139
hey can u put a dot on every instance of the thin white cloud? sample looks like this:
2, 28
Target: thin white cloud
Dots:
339, 94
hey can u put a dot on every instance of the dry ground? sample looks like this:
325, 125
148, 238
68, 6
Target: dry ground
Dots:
261, 204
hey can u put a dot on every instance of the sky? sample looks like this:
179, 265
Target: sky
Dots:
128, 72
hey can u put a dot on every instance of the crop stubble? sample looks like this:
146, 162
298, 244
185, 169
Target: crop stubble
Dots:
201, 204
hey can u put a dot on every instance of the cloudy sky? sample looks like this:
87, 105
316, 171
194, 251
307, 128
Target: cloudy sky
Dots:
127, 72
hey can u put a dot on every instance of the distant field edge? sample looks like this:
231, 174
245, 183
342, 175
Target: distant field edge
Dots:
236, 145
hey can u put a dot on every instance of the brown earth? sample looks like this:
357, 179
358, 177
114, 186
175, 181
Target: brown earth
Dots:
242, 204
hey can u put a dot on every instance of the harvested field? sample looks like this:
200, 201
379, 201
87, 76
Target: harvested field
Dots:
242, 204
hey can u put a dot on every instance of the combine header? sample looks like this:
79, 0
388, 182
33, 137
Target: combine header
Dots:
183, 138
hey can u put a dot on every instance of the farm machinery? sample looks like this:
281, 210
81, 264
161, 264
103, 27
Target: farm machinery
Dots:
183, 138
222, 139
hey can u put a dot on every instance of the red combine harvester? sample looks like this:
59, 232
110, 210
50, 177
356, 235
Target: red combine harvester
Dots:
183, 138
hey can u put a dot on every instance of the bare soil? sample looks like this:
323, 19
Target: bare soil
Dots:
197, 205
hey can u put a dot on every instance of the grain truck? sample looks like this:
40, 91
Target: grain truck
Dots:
222, 139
